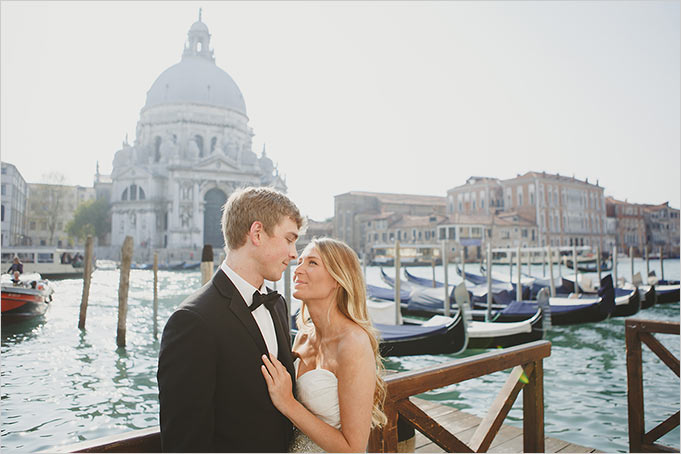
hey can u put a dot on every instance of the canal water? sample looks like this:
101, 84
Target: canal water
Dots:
61, 385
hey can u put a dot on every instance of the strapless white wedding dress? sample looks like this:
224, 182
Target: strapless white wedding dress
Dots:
317, 390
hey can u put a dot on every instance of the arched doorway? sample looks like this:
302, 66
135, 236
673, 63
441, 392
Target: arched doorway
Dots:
212, 214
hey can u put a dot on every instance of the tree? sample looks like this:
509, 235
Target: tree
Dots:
91, 218
47, 202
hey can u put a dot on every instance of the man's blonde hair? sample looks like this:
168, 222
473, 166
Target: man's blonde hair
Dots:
248, 205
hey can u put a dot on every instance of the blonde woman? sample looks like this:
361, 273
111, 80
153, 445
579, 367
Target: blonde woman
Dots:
338, 369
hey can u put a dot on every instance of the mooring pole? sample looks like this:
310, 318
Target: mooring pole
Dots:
206, 263
518, 286
647, 263
661, 265
488, 314
123, 286
398, 309
631, 258
87, 277
575, 267
598, 262
553, 285
155, 294
614, 264
445, 262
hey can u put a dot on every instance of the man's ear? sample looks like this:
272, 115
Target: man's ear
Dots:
255, 233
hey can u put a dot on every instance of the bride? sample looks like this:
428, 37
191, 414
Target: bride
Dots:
339, 388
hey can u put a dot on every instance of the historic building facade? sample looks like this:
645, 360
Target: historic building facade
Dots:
14, 196
192, 149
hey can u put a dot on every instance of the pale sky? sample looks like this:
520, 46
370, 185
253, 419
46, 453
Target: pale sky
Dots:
357, 96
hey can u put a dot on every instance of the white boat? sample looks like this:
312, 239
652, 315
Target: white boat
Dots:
49, 262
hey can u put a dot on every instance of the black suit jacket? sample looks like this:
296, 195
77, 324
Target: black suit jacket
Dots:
211, 389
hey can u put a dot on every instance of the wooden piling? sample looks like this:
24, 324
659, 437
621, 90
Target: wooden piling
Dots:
598, 262
488, 314
123, 286
543, 263
518, 286
575, 267
661, 265
432, 263
614, 265
463, 265
647, 263
87, 275
398, 308
631, 258
553, 285
206, 263
155, 295
445, 263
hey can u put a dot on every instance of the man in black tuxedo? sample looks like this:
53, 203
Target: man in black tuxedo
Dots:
211, 389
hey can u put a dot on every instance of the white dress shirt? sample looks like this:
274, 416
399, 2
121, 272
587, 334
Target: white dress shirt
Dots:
261, 315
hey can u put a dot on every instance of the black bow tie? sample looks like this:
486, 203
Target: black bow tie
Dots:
269, 300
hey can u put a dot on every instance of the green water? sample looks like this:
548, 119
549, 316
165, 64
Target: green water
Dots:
61, 385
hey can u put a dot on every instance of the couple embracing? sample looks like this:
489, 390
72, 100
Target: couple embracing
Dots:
229, 380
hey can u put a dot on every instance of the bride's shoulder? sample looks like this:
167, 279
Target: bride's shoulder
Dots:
354, 343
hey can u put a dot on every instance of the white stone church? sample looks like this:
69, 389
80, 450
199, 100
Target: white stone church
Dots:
192, 149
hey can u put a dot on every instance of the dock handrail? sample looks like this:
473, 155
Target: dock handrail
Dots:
638, 332
527, 363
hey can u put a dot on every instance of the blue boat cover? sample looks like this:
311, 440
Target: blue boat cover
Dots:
406, 332
387, 294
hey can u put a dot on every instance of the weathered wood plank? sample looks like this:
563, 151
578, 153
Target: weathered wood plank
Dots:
661, 429
430, 428
661, 351
533, 410
634, 385
490, 424
405, 384
655, 326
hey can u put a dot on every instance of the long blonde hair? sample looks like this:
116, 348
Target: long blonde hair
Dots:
343, 265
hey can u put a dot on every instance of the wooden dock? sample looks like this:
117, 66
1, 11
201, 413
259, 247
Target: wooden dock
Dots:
463, 425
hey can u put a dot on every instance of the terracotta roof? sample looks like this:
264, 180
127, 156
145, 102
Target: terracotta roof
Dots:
405, 199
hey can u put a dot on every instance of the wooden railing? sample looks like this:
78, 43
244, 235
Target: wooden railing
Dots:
637, 332
527, 374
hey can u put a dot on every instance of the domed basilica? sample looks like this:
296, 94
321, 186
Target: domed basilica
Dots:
192, 149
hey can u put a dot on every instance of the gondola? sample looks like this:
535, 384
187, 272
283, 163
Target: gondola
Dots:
589, 267
666, 291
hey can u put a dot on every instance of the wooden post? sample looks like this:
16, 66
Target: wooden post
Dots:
123, 286
510, 266
364, 266
432, 263
543, 263
398, 308
206, 263
533, 410
463, 265
155, 294
614, 265
445, 263
87, 275
631, 257
634, 387
518, 286
647, 263
598, 262
553, 285
488, 314
529, 263
575, 267
661, 265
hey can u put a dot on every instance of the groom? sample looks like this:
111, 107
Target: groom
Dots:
211, 389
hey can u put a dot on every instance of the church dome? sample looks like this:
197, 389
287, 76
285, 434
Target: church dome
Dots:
196, 79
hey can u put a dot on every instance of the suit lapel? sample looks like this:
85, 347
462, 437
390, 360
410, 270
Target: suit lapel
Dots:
238, 307
283, 335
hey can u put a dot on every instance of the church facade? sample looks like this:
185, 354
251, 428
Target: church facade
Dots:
193, 148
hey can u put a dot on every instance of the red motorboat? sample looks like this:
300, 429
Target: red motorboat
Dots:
28, 298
